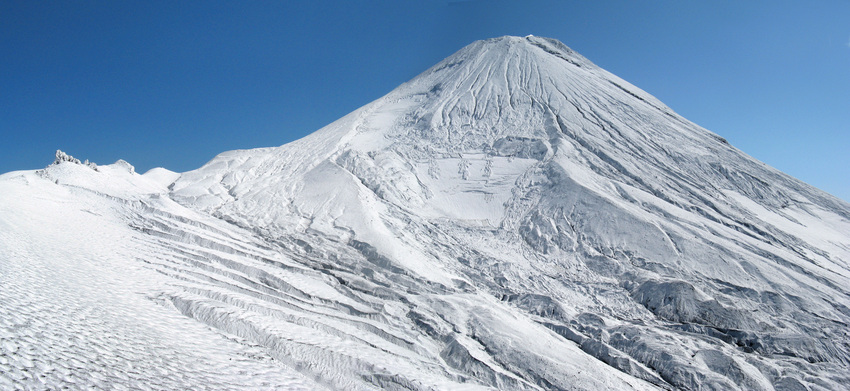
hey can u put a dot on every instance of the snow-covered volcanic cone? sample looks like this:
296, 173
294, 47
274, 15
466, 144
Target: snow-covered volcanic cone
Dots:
513, 218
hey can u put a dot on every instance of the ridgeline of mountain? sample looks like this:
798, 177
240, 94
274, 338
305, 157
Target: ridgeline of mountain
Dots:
515, 217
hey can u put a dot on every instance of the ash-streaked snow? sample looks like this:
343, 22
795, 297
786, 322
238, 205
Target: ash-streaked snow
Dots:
513, 218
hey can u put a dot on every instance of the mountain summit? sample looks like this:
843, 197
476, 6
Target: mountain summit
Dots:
514, 217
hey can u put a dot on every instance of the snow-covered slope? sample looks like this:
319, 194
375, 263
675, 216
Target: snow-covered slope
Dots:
515, 218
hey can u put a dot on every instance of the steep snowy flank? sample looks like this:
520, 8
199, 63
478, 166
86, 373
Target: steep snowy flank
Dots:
514, 217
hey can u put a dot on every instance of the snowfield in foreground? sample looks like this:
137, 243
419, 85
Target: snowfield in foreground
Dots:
513, 218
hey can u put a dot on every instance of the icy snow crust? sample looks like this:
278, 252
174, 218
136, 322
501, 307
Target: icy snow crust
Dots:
513, 218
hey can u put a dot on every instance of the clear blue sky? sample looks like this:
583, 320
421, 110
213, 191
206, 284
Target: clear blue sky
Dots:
173, 83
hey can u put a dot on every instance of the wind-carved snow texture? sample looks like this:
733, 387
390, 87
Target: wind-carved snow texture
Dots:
513, 218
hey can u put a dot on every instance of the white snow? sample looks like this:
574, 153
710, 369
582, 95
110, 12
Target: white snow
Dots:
513, 218
161, 176
78, 307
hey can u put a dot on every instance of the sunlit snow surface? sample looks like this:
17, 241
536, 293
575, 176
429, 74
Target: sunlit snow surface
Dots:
513, 218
